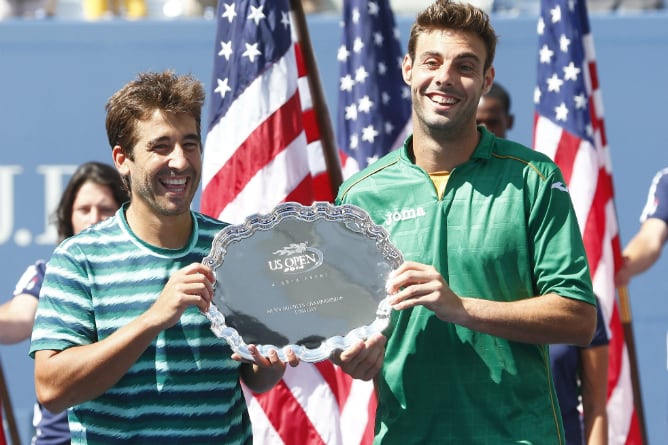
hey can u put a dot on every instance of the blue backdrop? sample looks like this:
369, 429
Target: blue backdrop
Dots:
56, 76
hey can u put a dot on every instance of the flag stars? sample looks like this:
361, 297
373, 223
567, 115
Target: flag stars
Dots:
358, 45
571, 72
554, 83
256, 14
365, 104
589, 129
555, 13
372, 95
342, 54
351, 113
564, 43
541, 26
369, 134
285, 19
230, 12
356, 15
561, 112
385, 98
545, 54
222, 88
354, 141
251, 51
226, 49
347, 83
536, 95
580, 101
361, 74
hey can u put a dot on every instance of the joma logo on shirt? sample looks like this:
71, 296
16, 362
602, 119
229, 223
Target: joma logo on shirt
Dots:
402, 215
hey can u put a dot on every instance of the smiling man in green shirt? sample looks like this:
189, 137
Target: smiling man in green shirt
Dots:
495, 266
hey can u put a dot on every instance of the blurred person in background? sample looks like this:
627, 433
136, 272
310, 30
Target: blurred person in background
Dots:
645, 247
27, 9
581, 380
494, 111
104, 9
311, 6
94, 192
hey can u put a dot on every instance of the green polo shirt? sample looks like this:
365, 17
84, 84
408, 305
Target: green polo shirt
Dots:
504, 230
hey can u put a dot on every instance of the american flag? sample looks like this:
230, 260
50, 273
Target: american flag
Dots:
262, 148
263, 144
568, 127
374, 101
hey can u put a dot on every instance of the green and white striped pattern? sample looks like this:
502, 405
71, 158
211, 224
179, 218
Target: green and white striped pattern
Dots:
185, 387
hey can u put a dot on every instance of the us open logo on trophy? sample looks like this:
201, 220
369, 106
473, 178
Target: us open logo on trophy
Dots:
307, 278
299, 258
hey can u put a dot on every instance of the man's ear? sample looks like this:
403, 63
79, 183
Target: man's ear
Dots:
488, 80
120, 160
407, 69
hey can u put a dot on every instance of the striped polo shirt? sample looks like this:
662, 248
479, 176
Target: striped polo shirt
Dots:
185, 387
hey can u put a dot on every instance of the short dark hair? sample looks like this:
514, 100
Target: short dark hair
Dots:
97, 172
151, 91
446, 14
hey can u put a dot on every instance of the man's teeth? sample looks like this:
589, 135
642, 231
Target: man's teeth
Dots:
176, 182
443, 100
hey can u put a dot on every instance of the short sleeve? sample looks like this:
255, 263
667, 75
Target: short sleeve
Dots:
657, 198
601, 333
31, 281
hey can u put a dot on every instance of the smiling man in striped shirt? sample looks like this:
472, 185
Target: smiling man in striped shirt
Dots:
120, 336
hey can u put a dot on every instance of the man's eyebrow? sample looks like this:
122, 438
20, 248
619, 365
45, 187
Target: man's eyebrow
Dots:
426, 54
153, 142
166, 139
466, 55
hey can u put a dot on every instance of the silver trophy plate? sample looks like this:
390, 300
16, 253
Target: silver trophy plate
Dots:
308, 278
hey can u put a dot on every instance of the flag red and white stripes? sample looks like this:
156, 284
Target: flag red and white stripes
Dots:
263, 148
312, 405
569, 127
263, 144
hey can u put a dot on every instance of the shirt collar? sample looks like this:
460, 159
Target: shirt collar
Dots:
483, 150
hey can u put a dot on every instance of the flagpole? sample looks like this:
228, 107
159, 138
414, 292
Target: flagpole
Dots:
7, 408
625, 317
329, 149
